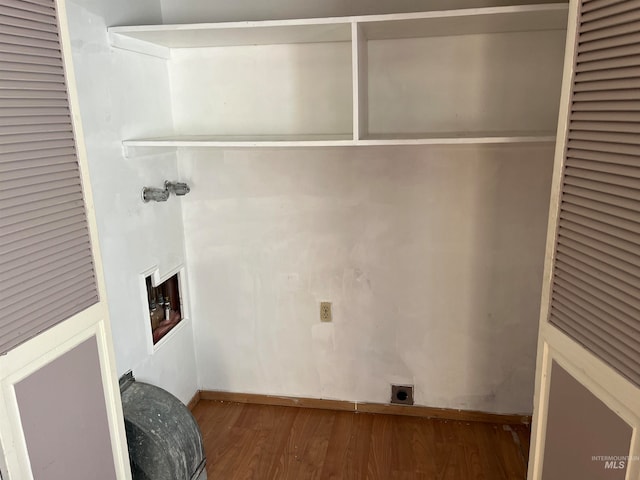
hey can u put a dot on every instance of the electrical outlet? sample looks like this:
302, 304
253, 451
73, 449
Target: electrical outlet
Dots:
325, 311
402, 394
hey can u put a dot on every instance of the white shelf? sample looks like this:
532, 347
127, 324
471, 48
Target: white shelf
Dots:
242, 141
457, 138
467, 69
158, 40
523, 18
133, 147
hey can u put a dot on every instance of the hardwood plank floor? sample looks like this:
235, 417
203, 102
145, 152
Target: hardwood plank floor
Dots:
261, 442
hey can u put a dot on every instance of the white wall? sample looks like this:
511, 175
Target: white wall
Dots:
117, 101
465, 83
432, 257
292, 89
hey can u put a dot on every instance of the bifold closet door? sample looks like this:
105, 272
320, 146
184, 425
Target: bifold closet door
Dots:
60, 411
46, 264
596, 285
588, 379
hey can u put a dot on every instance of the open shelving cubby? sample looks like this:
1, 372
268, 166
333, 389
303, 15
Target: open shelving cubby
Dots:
460, 76
440, 77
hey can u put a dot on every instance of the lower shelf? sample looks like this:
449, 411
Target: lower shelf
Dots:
452, 138
140, 146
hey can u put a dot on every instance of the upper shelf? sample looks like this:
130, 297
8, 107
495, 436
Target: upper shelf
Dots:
236, 33
342, 80
157, 40
523, 18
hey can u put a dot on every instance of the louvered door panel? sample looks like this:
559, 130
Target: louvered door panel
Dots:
596, 284
46, 265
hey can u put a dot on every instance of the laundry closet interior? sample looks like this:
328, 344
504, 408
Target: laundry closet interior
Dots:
391, 158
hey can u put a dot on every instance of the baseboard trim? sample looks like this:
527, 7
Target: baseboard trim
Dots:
194, 401
380, 408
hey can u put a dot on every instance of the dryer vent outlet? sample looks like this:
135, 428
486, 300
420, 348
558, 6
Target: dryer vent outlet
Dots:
402, 394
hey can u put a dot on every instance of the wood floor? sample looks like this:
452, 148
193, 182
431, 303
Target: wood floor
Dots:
247, 441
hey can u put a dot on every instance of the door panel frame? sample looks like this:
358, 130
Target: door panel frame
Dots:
29, 357
605, 383
600, 379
